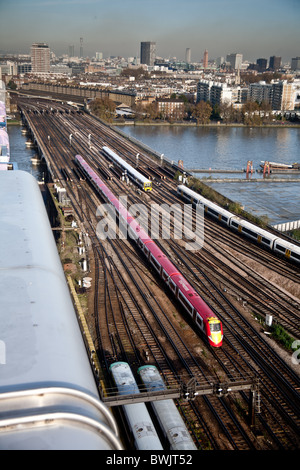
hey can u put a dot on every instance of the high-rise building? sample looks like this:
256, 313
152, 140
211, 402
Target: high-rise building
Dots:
220, 61
283, 96
260, 92
81, 47
205, 59
215, 92
262, 64
235, 60
188, 55
295, 65
71, 51
148, 53
274, 63
203, 90
40, 58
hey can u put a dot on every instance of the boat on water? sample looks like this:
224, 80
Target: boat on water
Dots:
279, 167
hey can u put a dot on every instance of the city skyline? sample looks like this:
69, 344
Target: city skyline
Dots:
262, 28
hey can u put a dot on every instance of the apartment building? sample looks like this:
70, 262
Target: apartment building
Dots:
40, 58
220, 93
148, 53
283, 96
295, 64
261, 91
169, 107
274, 63
280, 95
203, 90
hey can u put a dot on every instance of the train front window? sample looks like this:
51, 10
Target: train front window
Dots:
215, 327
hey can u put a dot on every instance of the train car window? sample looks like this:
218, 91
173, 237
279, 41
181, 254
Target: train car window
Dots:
185, 303
199, 321
265, 240
211, 211
235, 224
155, 263
172, 286
146, 251
280, 248
295, 255
249, 232
225, 218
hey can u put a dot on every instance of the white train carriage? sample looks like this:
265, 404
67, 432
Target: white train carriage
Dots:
142, 429
215, 211
132, 173
168, 416
48, 395
287, 249
257, 234
242, 226
189, 195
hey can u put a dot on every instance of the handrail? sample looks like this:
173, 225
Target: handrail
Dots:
45, 392
51, 419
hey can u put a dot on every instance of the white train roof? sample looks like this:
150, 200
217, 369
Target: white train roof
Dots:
41, 345
37, 314
204, 201
126, 165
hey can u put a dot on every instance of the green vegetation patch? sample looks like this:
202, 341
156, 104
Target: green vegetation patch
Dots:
280, 335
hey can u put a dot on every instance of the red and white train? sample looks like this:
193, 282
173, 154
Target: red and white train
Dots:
200, 313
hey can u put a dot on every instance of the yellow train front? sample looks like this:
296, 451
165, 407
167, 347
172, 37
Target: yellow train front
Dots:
147, 185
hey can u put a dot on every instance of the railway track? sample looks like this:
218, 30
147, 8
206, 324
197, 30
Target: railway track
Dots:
124, 329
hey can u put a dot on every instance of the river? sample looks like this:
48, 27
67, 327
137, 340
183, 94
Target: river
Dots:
230, 148
222, 148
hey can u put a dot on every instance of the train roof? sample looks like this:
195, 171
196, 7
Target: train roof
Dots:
41, 345
119, 364
287, 245
230, 215
4, 140
127, 166
135, 227
205, 201
249, 225
35, 301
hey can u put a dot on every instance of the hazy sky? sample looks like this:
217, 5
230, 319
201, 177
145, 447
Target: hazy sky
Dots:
256, 28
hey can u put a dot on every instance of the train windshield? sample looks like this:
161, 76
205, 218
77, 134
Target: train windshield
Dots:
215, 327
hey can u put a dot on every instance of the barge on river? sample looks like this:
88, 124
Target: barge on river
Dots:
274, 167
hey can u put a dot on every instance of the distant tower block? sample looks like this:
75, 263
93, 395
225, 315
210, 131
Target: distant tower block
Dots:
148, 53
188, 55
205, 59
71, 51
81, 47
40, 58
